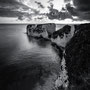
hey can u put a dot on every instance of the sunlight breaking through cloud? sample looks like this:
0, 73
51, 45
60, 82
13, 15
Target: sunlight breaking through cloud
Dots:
45, 11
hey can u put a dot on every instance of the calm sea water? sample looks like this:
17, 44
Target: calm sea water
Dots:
26, 63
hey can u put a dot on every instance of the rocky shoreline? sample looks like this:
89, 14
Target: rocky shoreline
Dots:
74, 54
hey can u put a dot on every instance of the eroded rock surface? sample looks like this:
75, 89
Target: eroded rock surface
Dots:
40, 30
78, 58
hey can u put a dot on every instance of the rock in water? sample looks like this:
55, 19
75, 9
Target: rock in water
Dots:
38, 30
30, 28
78, 58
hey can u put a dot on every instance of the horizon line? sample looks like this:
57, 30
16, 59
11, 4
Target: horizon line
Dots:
47, 23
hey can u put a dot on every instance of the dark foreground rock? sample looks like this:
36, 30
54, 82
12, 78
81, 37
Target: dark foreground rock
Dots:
78, 58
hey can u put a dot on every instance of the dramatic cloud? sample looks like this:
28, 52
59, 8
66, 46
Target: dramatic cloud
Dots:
50, 1
72, 10
13, 8
39, 4
12, 3
80, 8
82, 5
60, 15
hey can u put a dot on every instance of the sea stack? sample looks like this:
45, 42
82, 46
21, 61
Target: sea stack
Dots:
40, 30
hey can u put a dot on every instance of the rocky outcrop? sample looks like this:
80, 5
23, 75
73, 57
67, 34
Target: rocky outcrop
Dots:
78, 58
77, 53
59, 39
61, 32
30, 28
40, 30
62, 36
50, 27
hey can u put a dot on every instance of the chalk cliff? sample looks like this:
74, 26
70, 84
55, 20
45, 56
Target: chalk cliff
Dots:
40, 30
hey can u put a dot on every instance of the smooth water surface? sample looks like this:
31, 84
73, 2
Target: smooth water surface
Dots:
26, 63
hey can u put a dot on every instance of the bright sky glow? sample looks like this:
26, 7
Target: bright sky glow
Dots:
58, 4
14, 20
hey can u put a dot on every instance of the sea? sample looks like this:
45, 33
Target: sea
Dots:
26, 63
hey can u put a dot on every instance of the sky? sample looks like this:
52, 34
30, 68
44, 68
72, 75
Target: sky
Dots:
44, 11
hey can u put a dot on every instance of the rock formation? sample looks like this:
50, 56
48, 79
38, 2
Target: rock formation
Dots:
62, 36
78, 58
40, 30
75, 41
30, 28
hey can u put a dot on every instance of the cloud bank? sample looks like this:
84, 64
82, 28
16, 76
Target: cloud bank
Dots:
73, 10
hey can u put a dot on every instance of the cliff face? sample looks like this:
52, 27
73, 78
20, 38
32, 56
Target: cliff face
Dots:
76, 41
50, 27
62, 36
78, 58
38, 30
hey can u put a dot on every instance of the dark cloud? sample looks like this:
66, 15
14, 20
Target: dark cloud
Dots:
82, 5
60, 15
8, 1
13, 3
66, 0
14, 8
11, 13
55, 14
81, 9
71, 9
39, 4
49, 1
11, 8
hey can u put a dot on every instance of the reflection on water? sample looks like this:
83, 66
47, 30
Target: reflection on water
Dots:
25, 62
